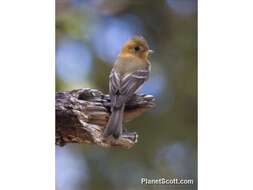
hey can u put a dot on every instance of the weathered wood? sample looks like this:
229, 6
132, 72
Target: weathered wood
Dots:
81, 116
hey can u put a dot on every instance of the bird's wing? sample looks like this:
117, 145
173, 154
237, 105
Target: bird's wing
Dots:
123, 87
114, 86
131, 82
114, 82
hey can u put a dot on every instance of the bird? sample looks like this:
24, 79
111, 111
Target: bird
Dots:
131, 69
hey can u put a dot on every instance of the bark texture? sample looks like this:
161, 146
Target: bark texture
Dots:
81, 116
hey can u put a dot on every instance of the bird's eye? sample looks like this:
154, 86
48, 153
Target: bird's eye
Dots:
137, 48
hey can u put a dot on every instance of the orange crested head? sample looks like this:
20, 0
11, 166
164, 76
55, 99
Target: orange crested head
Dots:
136, 46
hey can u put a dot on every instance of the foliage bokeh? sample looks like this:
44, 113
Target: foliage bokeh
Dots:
89, 34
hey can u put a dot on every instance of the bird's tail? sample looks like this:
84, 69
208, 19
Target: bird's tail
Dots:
114, 125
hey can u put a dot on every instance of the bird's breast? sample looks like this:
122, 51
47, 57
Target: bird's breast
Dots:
126, 65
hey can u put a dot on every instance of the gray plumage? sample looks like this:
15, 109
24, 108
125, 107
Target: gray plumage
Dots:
122, 88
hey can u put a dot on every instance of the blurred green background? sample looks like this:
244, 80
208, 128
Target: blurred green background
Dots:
89, 34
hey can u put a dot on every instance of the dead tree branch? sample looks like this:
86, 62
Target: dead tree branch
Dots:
81, 116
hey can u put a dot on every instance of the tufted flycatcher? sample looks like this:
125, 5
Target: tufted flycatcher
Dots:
130, 71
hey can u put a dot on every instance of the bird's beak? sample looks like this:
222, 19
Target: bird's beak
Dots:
150, 51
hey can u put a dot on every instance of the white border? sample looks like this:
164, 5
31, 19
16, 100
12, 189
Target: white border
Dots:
225, 95
27, 94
